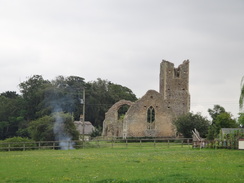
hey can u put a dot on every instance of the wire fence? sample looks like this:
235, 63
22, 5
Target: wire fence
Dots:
96, 143
118, 143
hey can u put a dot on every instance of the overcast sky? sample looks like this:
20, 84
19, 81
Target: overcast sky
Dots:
124, 41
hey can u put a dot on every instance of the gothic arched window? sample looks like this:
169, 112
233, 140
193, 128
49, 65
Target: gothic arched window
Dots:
150, 117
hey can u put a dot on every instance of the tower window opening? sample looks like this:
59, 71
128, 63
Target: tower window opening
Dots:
177, 72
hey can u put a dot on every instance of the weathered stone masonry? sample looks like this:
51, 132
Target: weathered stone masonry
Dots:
153, 114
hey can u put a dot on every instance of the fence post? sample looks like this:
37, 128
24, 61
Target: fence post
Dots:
8, 147
168, 143
24, 146
126, 143
140, 142
154, 143
98, 143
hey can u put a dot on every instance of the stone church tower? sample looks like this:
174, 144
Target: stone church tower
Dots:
174, 86
153, 114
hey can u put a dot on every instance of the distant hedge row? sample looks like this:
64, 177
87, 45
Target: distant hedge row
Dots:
15, 143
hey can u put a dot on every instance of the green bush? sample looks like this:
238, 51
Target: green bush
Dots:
17, 143
188, 122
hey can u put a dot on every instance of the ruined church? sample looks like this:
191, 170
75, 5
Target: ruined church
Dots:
153, 114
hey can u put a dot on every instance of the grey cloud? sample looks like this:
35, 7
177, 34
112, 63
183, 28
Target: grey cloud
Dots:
125, 41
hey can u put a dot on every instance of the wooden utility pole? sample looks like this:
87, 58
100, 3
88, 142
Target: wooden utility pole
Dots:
84, 105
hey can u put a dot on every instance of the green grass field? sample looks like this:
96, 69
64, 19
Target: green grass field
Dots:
146, 164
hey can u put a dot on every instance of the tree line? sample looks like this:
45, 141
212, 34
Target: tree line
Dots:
39, 100
209, 129
34, 112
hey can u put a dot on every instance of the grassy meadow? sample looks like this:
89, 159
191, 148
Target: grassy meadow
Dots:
145, 164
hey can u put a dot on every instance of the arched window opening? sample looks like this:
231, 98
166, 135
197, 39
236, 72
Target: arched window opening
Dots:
122, 110
151, 117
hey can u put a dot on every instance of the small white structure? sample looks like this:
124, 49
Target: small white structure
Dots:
88, 129
241, 143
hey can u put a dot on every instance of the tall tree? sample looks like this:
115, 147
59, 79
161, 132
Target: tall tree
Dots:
50, 128
11, 114
225, 120
65, 95
188, 122
241, 119
101, 95
217, 110
220, 119
33, 91
40, 97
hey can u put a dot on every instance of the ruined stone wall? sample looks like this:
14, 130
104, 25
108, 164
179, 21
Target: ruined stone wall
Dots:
172, 101
174, 86
112, 126
135, 121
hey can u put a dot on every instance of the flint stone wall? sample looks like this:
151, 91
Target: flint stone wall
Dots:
111, 125
135, 121
172, 101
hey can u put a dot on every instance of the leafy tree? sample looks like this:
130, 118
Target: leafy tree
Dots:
224, 120
33, 91
40, 98
11, 114
48, 128
241, 119
10, 94
100, 96
217, 110
220, 119
118, 92
188, 122
42, 129
97, 132
43, 97
65, 94
64, 128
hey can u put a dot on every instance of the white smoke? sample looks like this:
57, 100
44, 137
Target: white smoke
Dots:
60, 100
60, 133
